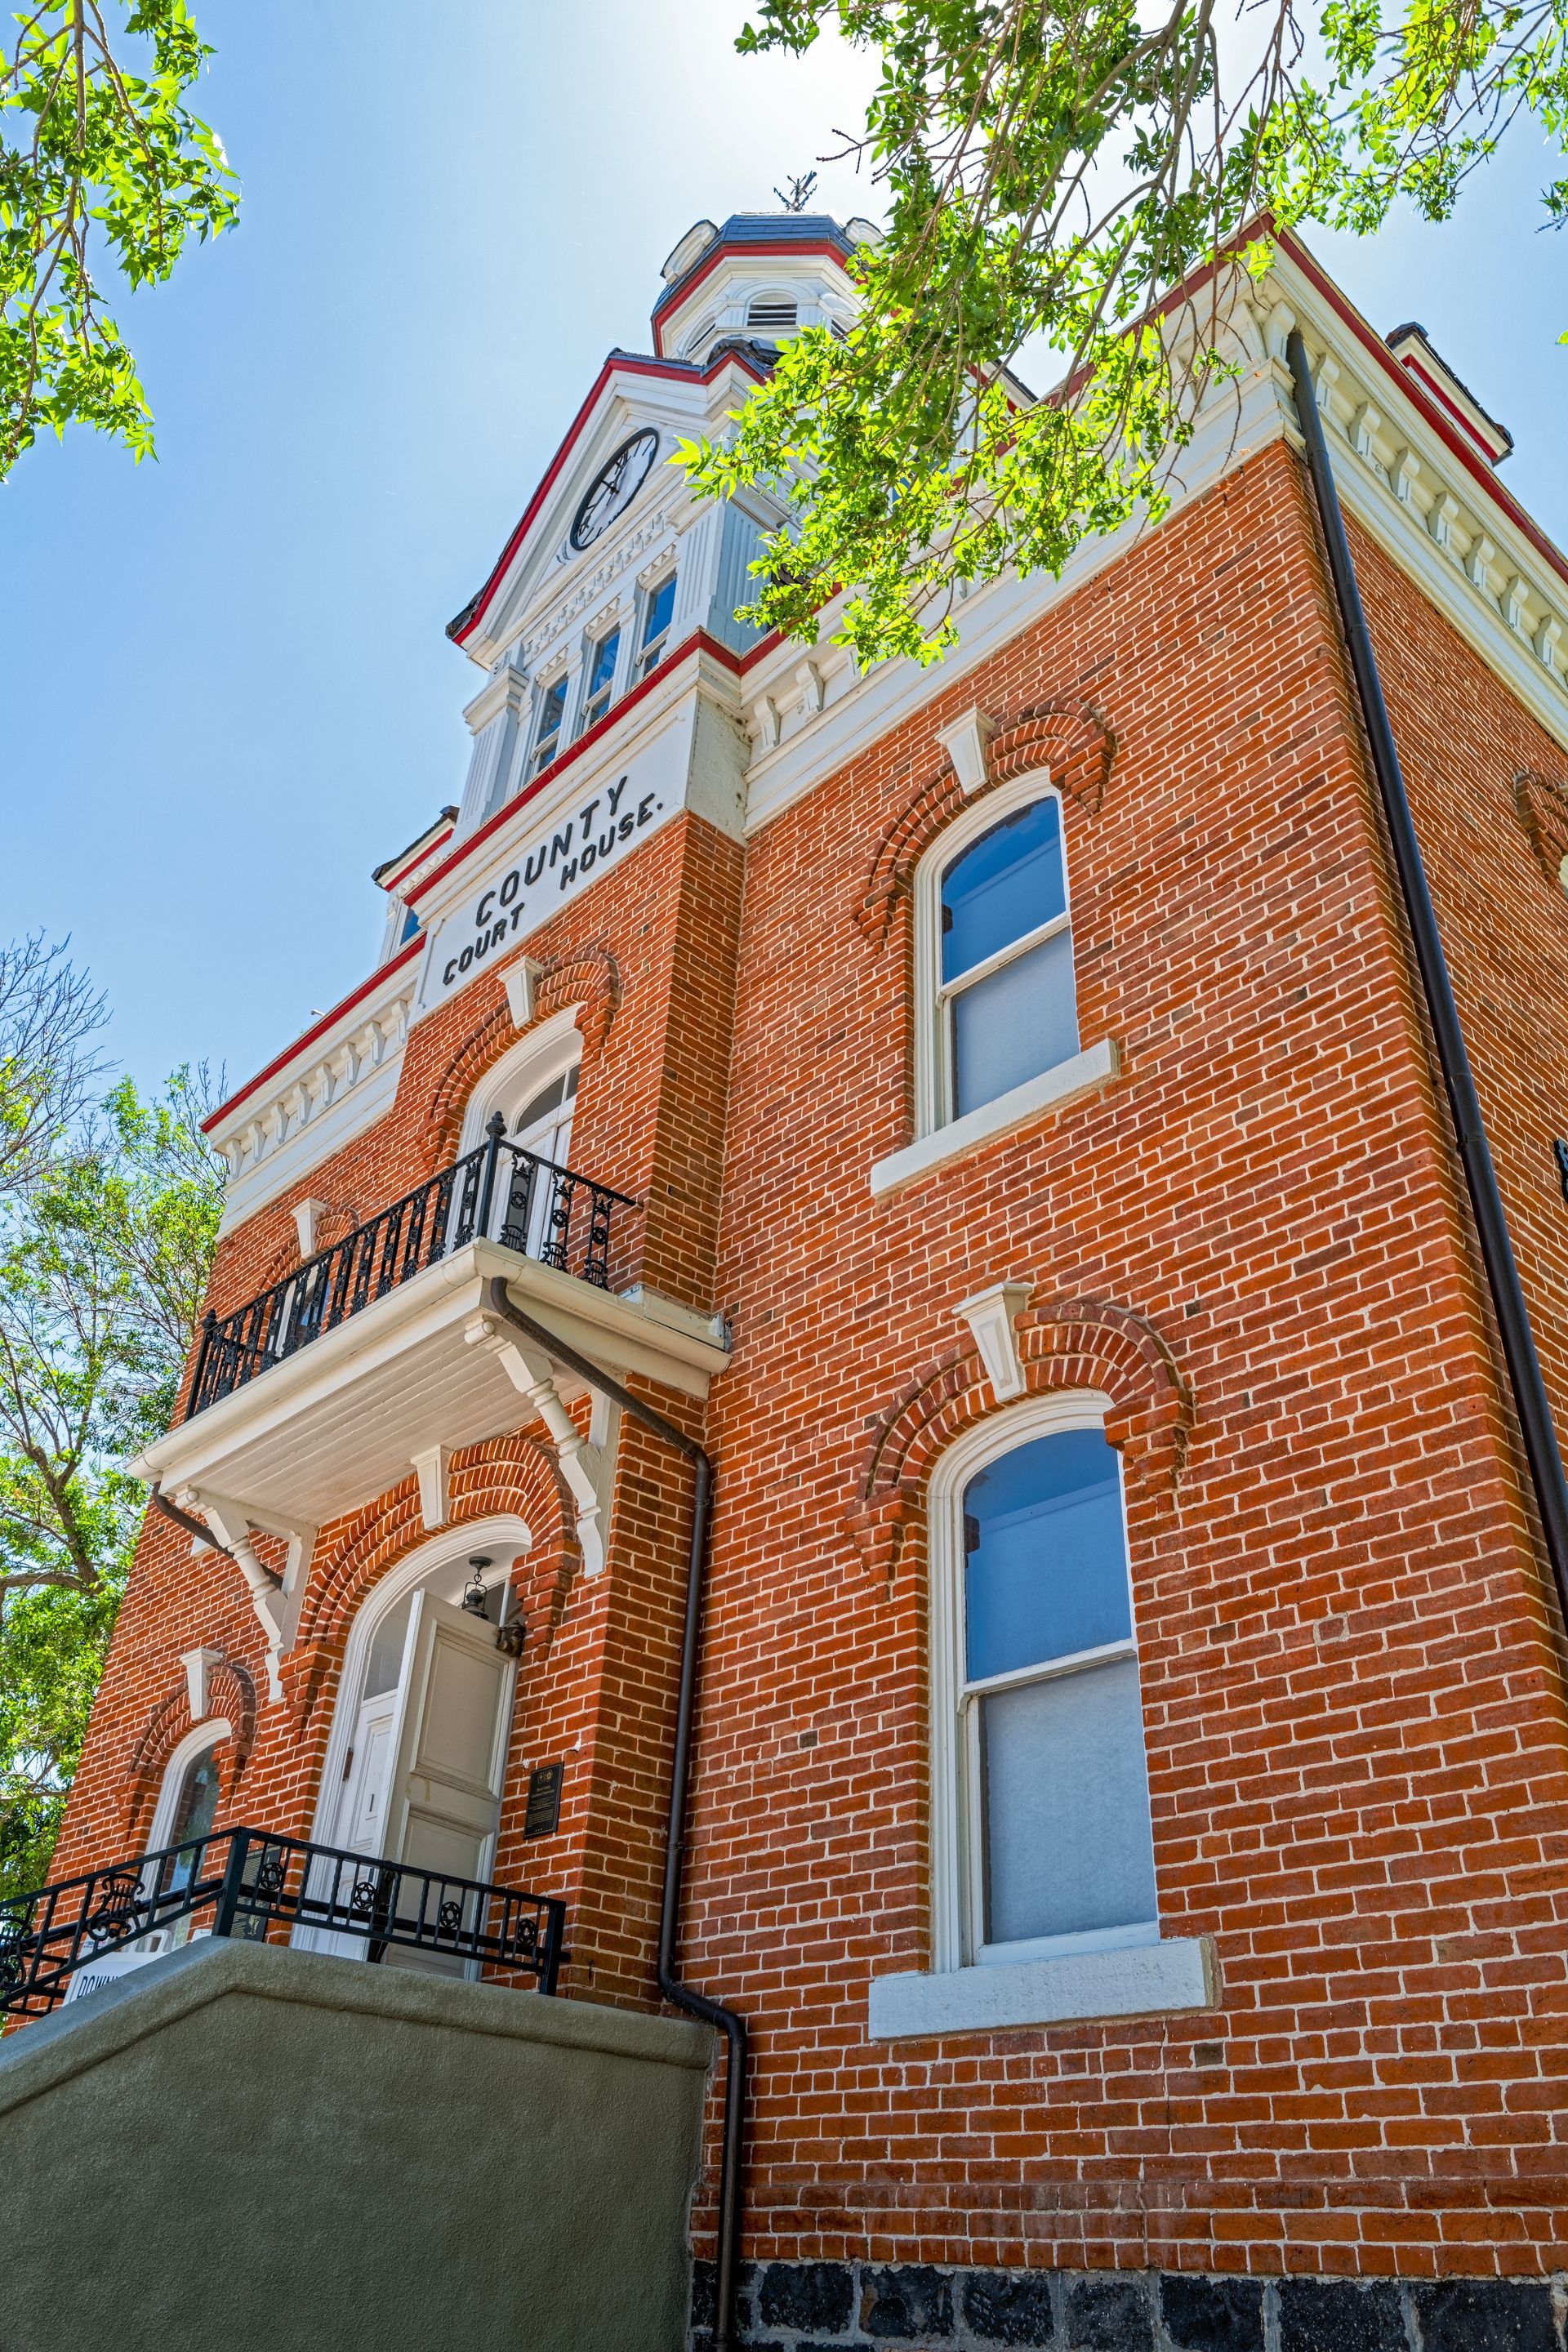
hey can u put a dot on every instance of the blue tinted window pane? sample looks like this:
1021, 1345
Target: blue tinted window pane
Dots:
603, 668
1046, 1569
661, 605
1067, 1840
550, 713
1008, 883
1019, 1020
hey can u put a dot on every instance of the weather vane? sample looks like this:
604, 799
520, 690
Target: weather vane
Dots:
799, 194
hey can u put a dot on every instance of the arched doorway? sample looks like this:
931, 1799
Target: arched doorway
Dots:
415, 1760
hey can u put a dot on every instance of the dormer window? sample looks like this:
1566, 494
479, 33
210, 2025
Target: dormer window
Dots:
601, 680
547, 735
657, 612
770, 314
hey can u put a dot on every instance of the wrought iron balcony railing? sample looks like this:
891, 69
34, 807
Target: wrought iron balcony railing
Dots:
247, 1881
497, 1193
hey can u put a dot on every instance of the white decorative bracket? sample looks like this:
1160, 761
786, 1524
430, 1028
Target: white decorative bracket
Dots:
521, 987
813, 690
967, 743
307, 1215
199, 1665
430, 1469
275, 1599
587, 1464
990, 1314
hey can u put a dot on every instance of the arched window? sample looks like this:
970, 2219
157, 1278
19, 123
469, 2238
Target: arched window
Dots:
1040, 1799
187, 1803
1006, 1004
534, 1088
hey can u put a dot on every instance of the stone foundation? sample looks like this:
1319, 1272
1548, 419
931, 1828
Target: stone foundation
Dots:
917, 2307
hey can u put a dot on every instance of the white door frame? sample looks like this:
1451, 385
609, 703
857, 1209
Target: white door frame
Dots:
504, 1533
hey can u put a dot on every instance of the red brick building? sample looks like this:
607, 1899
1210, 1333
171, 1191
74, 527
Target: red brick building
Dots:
1130, 1795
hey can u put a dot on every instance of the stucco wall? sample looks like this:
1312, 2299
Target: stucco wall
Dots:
256, 2148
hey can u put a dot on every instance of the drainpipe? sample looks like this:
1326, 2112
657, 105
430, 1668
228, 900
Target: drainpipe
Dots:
1491, 1224
499, 1302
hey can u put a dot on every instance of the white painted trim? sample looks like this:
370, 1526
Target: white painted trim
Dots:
1137, 1982
430, 1468
307, 1215
990, 1316
967, 743
1097, 1065
199, 1665
209, 1733
933, 1076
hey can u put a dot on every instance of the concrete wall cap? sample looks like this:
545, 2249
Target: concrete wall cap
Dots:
87, 2032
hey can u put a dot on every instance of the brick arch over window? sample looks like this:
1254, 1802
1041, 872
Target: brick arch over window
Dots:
231, 1693
514, 1473
1543, 805
588, 976
1073, 742
1063, 1343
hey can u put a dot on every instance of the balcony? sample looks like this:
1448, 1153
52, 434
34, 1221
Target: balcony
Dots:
527, 1205
379, 1355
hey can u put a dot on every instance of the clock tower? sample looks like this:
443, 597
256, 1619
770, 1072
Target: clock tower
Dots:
612, 564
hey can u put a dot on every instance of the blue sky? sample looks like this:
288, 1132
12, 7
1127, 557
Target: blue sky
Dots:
228, 692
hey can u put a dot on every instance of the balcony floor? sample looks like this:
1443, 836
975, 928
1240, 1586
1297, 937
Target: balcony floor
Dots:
340, 1422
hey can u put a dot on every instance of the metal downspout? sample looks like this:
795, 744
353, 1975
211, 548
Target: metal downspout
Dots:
696, 2004
1524, 1373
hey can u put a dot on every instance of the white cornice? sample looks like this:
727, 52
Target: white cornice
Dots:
1459, 543
1450, 532
335, 1083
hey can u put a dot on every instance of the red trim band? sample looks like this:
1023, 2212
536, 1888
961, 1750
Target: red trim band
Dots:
772, 249
280, 1061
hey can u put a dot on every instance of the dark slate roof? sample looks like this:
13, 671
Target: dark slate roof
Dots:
765, 228
1414, 327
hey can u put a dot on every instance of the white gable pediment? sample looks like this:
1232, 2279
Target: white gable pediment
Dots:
545, 582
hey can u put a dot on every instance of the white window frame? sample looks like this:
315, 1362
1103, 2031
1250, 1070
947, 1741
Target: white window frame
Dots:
521, 1072
544, 689
642, 665
956, 1826
606, 625
934, 1059
211, 1732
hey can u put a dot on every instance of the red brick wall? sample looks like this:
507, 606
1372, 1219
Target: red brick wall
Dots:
1354, 1720
1255, 1241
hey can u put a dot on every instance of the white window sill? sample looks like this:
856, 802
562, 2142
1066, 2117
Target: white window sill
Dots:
1095, 1066
1136, 1981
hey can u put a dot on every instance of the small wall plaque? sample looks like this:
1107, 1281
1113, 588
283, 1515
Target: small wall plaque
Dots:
544, 1815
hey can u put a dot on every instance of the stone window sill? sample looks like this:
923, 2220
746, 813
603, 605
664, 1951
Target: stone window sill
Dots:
1182, 1973
1095, 1066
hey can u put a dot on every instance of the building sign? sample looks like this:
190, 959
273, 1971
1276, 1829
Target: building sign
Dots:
543, 869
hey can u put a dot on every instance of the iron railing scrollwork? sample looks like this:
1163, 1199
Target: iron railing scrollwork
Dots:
248, 1882
496, 1193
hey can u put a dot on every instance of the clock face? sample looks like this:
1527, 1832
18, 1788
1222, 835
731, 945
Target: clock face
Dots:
614, 487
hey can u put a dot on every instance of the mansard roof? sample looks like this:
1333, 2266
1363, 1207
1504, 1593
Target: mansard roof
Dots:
763, 233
